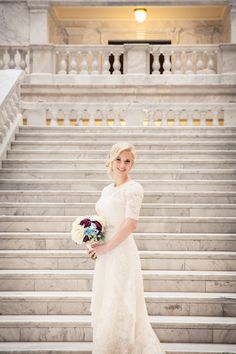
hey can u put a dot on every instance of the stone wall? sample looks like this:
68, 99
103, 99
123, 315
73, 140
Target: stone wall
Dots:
15, 28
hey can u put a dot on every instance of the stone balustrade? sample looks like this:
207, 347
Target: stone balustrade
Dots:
14, 57
84, 60
88, 60
10, 115
95, 114
175, 59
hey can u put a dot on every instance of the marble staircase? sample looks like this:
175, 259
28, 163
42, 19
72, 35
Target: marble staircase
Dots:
186, 235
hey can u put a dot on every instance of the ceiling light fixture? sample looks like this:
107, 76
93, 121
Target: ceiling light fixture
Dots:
140, 14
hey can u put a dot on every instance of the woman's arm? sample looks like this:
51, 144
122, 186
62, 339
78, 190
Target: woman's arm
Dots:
123, 232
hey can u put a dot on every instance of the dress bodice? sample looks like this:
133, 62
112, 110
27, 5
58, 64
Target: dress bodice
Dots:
118, 203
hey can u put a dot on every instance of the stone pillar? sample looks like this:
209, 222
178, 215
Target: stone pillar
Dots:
136, 58
39, 31
232, 17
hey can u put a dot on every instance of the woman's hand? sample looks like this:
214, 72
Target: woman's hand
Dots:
97, 248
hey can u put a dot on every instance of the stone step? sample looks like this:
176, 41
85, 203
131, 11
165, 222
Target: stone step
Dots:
101, 154
200, 172
83, 196
146, 224
78, 259
200, 329
98, 164
130, 137
86, 348
145, 241
153, 280
97, 185
106, 145
78, 303
128, 129
147, 209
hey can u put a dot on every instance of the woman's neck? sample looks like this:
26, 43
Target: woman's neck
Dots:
120, 180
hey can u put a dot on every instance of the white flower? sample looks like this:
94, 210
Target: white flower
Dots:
77, 233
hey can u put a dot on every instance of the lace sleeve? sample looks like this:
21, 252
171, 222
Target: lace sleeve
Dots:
134, 197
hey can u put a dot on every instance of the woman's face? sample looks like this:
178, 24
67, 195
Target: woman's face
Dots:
122, 164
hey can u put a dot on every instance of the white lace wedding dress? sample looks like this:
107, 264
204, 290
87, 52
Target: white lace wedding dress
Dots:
119, 315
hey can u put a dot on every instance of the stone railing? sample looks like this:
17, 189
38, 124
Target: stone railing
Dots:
98, 60
161, 114
187, 60
14, 57
10, 115
88, 60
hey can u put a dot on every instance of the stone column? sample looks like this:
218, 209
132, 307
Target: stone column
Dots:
136, 58
39, 31
232, 18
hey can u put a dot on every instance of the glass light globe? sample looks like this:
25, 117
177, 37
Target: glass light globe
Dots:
140, 14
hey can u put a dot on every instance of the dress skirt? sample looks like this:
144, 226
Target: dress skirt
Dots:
119, 314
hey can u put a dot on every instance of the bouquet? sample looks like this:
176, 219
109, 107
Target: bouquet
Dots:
88, 229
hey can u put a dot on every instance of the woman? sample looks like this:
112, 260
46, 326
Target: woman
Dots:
119, 315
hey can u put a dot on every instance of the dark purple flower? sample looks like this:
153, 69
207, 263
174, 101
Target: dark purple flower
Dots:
85, 239
85, 222
98, 226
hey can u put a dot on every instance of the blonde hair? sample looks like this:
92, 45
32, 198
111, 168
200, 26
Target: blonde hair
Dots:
114, 153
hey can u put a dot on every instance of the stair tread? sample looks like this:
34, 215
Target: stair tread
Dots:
204, 321
60, 347
146, 273
160, 181
143, 253
144, 205
100, 160
141, 218
166, 296
138, 235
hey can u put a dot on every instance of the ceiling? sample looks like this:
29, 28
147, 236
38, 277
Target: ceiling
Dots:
67, 14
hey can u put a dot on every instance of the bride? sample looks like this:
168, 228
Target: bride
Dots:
118, 310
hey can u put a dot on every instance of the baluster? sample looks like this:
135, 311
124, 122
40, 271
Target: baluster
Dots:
203, 118
215, 121
1, 59
176, 119
106, 63
189, 64
12, 63
103, 118
52, 114
151, 119
22, 53
73, 63
178, 63
189, 118
13, 109
117, 117
200, 63
210, 63
10, 114
164, 118
3, 119
116, 64
156, 62
86, 117
66, 117
84, 64
167, 63
91, 116
95, 70
62, 63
